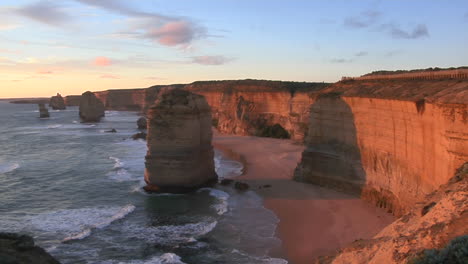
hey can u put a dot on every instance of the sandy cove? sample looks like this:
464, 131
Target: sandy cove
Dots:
313, 221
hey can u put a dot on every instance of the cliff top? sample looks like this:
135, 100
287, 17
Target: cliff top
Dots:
438, 91
250, 85
435, 69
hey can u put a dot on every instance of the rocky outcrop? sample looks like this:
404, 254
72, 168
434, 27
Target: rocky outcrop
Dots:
91, 108
57, 102
43, 112
142, 123
72, 100
20, 249
392, 142
180, 154
429, 225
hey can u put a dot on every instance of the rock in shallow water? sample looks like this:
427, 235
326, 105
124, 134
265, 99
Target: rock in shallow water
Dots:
20, 249
141, 123
140, 135
43, 112
180, 154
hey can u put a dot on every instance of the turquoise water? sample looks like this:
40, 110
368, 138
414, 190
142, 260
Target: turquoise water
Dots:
78, 191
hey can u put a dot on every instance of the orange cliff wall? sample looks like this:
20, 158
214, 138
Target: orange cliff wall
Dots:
248, 107
391, 151
242, 107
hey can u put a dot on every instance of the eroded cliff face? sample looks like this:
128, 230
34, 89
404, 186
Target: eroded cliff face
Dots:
252, 107
392, 152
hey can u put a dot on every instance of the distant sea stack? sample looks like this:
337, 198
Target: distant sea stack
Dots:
91, 108
180, 154
57, 102
43, 112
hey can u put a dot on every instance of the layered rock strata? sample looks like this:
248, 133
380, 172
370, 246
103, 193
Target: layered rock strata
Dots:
390, 151
91, 108
180, 154
57, 102
43, 112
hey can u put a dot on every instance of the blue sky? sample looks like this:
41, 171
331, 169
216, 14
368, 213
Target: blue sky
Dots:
71, 46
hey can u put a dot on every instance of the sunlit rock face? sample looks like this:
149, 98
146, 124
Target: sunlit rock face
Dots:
392, 142
180, 154
91, 108
57, 102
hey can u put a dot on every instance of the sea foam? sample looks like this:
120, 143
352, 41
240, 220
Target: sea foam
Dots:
72, 224
8, 167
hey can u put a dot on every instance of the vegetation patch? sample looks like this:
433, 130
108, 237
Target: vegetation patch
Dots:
456, 252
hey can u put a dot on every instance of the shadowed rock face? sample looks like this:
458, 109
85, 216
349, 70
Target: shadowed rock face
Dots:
142, 123
180, 154
20, 249
91, 108
57, 102
43, 112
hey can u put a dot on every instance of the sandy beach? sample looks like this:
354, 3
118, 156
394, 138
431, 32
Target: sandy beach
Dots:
314, 221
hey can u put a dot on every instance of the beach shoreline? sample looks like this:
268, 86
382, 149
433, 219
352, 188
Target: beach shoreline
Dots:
314, 221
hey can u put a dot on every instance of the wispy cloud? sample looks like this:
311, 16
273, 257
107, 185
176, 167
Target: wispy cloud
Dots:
163, 29
418, 31
393, 53
109, 76
211, 60
45, 72
363, 20
102, 61
47, 12
361, 54
341, 60
372, 20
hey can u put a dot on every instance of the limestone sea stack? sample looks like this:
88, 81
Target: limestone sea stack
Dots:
57, 102
91, 108
43, 112
180, 154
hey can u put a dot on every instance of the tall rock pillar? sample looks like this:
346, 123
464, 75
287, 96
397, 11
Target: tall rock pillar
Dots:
180, 154
91, 108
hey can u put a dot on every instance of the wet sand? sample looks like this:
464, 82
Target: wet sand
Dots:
314, 221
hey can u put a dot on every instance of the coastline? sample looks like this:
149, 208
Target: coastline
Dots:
314, 221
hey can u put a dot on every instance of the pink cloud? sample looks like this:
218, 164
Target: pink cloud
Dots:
173, 33
102, 61
109, 76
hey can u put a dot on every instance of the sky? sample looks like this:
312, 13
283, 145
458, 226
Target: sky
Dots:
72, 46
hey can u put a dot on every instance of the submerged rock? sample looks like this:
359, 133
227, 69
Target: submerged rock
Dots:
141, 123
20, 249
57, 102
140, 135
226, 182
43, 112
113, 130
241, 186
180, 154
91, 108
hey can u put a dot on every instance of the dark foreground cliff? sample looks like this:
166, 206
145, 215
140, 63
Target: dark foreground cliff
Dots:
20, 249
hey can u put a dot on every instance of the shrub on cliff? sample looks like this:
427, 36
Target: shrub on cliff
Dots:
456, 252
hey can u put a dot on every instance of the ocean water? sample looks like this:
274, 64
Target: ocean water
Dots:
78, 191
